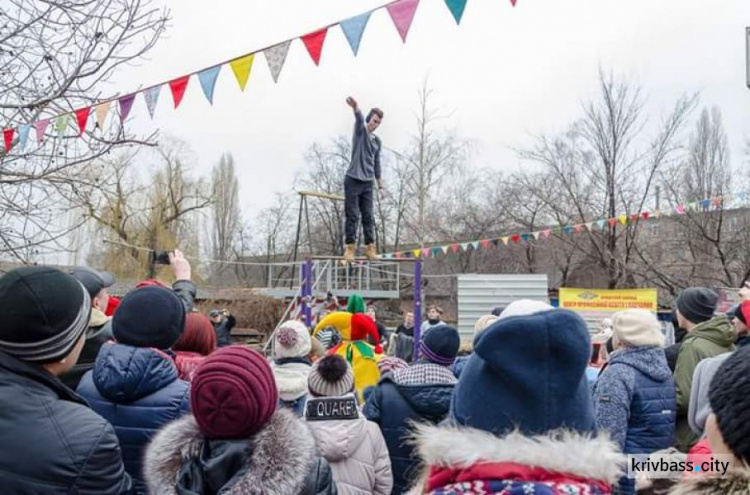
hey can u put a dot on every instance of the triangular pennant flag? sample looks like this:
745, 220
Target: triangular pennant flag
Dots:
717, 202
465, 246
126, 103
557, 230
23, 135
8, 138
634, 218
590, 226
475, 244
353, 29
622, 219
152, 97
241, 68
578, 227
417, 252
435, 251
445, 249
207, 79
426, 252
82, 117
536, 235
178, 87
515, 238
680, 209
601, 223
645, 215
397, 255
567, 229
457, 8
314, 43
742, 196
547, 233
526, 237
513, 2
101, 113
386, 256
612, 222
505, 240
41, 126
485, 243
61, 123
402, 14
706, 204
276, 56
455, 248
693, 206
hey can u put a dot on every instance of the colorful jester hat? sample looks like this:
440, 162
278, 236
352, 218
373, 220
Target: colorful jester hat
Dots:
353, 325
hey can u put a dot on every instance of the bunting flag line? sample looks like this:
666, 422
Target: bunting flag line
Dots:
702, 206
401, 13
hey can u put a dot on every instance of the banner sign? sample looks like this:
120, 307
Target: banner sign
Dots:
608, 300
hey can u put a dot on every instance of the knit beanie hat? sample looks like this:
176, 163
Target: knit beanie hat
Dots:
524, 307
729, 395
362, 327
330, 377
697, 304
149, 317
741, 311
292, 340
440, 345
233, 393
356, 304
389, 364
527, 372
43, 311
483, 322
637, 328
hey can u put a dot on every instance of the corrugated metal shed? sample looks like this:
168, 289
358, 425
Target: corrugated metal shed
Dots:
478, 294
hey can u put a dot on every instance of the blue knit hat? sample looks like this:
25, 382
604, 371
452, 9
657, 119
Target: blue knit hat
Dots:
527, 372
440, 345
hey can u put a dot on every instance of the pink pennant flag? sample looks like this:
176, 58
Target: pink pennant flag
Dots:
314, 44
41, 126
578, 227
680, 209
485, 243
513, 2
426, 252
402, 13
547, 233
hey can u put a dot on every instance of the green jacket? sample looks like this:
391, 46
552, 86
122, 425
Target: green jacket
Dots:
711, 338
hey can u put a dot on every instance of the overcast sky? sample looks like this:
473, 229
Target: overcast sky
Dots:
505, 72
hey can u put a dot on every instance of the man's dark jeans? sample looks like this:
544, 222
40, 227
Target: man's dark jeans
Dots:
358, 200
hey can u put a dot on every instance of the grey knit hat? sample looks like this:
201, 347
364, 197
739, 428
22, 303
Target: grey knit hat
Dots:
330, 376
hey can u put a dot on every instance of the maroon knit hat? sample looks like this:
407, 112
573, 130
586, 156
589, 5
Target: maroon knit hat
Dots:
233, 393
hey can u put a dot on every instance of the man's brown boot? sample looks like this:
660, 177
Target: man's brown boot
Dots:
349, 253
371, 253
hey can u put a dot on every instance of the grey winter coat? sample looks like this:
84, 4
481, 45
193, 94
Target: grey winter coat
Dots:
699, 408
278, 460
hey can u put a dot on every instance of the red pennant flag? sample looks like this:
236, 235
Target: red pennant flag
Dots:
314, 44
612, 222
178, 87
455, 248
485, 243
645, 215
8, 137
513, 2
634, 218
82, 116
516, 238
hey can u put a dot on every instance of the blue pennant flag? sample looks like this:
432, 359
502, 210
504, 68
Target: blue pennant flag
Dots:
23, 135
152, 96
208, 81
457, 8
353, 29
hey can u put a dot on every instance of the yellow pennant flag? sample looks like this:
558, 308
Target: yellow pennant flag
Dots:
623, 219
101, 113
241, 68
417, 252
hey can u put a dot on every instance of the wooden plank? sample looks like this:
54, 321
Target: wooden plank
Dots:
365, 260
315, 194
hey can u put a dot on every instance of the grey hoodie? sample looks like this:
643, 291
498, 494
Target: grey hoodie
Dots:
699, 407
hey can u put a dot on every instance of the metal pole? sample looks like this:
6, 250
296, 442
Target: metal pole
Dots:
308, 291
296, 239
417, 306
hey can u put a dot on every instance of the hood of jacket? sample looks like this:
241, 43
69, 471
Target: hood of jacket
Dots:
339, 439
651, 361
566, 452
431, 401
124, 374
274, 461
735, 480
291, 379
98, 318
718, 330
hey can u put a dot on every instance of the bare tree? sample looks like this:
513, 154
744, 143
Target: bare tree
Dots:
225, 218
53, 58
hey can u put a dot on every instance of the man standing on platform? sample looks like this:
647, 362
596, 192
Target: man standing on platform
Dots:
363, 171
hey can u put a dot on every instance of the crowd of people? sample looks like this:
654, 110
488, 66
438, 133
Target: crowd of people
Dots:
147, 395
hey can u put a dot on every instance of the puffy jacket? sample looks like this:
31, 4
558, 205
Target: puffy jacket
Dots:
393, 406
279, 459
634, 400
51, 441
186, 290
711, 338
98, 333
137, 390
355, 450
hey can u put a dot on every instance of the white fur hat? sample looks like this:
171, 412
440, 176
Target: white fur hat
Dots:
292, 340
524, 307
637, 328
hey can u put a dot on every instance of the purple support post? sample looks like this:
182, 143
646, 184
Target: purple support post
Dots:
417, 306
307, 270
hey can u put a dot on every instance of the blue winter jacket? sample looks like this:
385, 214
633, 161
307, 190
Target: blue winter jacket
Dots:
137, 390
394, 406
634, 400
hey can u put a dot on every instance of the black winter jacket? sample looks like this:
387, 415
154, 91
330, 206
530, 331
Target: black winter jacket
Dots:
50, 441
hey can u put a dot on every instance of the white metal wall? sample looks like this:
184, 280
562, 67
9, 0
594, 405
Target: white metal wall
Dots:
479, 294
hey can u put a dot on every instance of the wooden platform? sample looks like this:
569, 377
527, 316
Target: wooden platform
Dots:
361, 259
